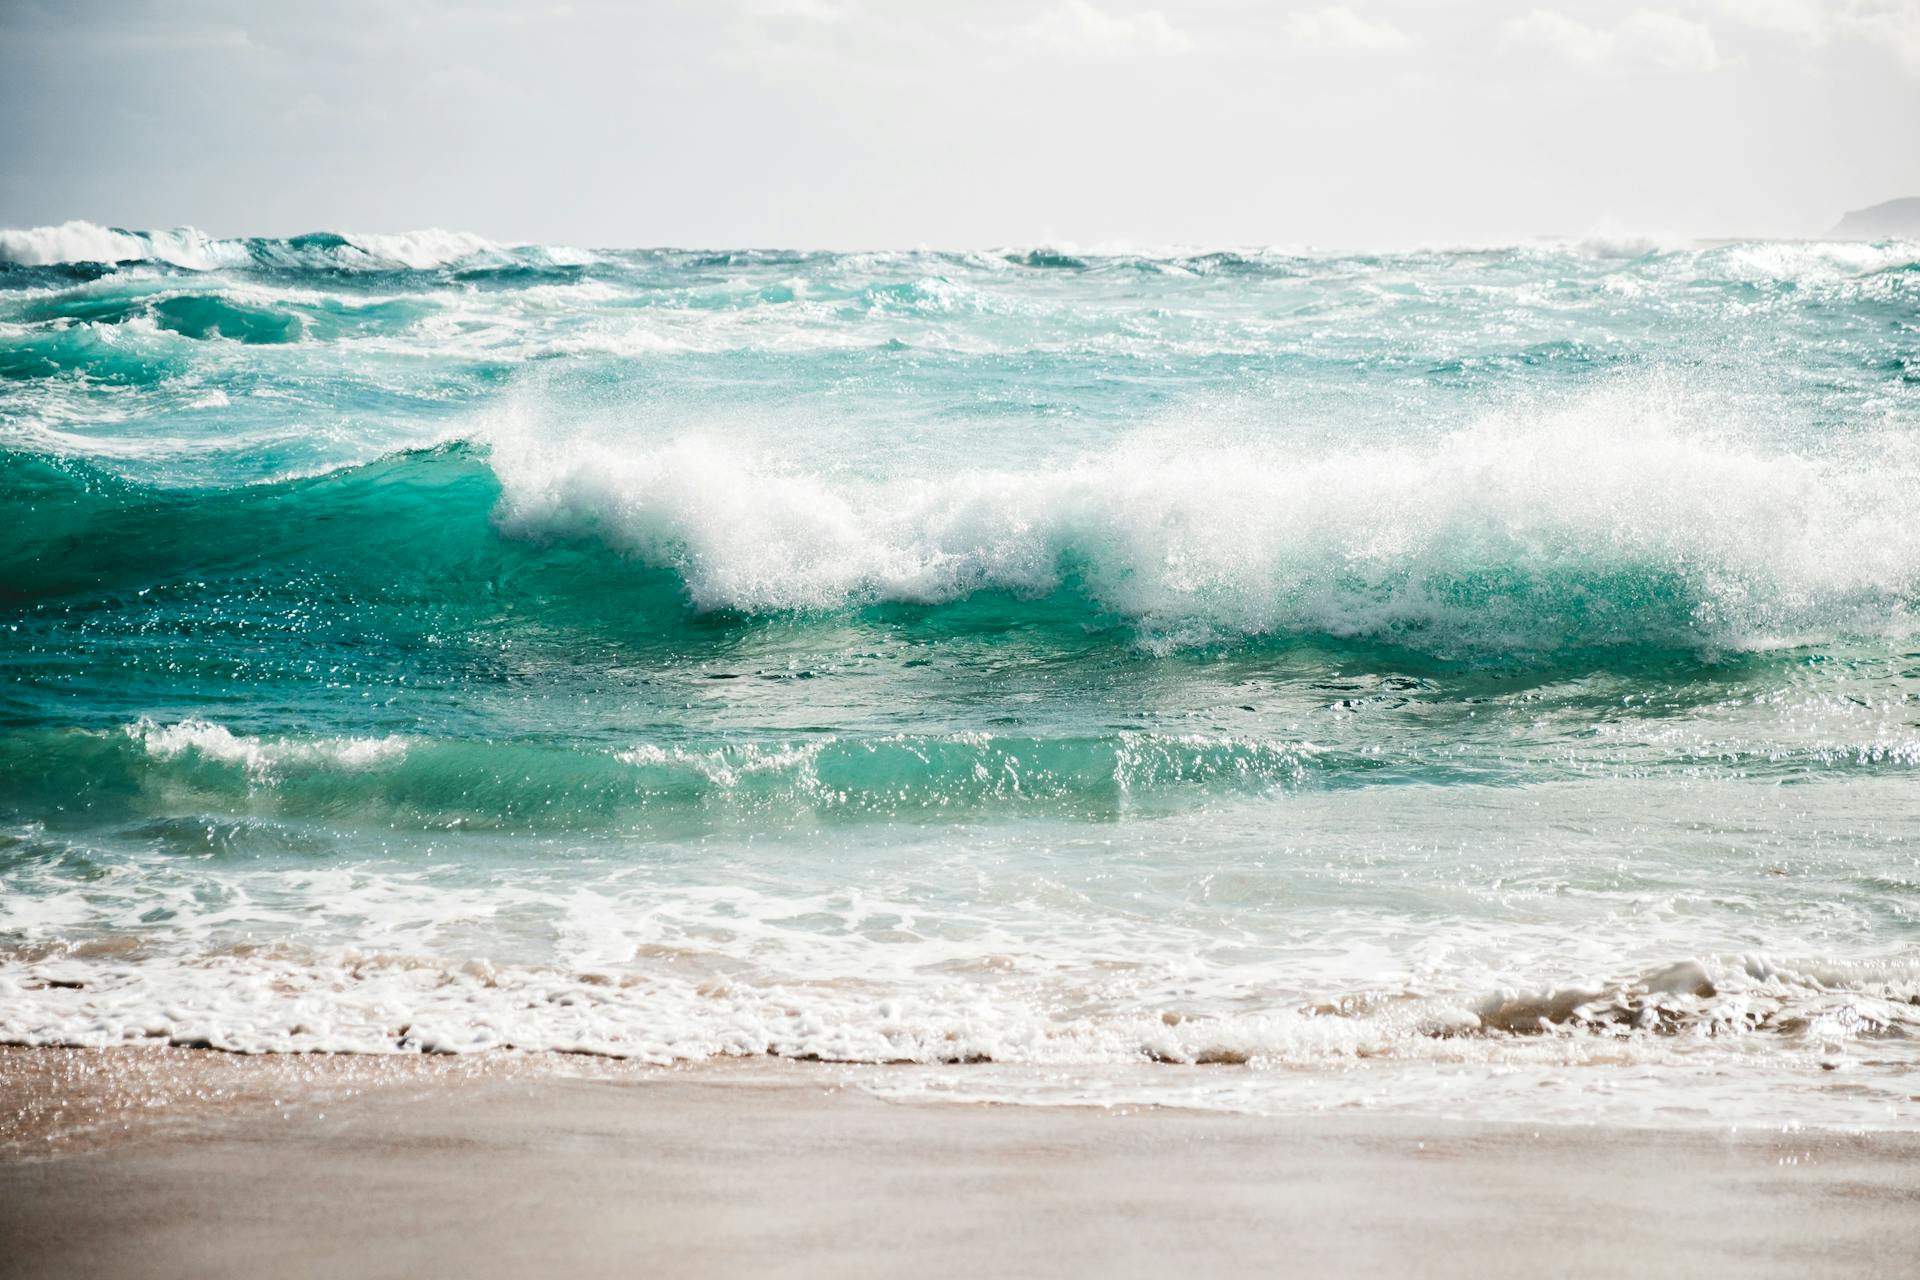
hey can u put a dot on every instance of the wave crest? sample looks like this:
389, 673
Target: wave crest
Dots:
1597, 526
1521, 538
187, 247
75, 242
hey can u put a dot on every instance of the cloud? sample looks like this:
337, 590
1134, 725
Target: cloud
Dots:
809, 10
1563, 35
1890, 25
1341, 28
1806, 19
1077, 27
1894, 27
1668, 40
1645, 37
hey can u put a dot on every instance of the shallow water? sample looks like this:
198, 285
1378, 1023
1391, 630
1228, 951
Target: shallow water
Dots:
1482, 681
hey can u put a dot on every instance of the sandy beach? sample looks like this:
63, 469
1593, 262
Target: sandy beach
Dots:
137, 1163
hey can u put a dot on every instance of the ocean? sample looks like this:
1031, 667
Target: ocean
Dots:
1472, 681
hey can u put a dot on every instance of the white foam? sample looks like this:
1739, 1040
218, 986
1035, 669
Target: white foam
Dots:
727, 768
262, 758
1762, 544
1670, 1041
1615, 242
87, 242
424, 249
1818, 260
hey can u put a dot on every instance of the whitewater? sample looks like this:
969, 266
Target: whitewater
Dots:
1469, 681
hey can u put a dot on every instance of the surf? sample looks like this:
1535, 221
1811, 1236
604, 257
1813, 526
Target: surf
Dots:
1509, 539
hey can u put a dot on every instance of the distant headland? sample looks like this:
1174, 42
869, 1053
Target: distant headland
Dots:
1890, 218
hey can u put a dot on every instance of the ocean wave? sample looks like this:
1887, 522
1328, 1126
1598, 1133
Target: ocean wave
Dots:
160, 769
194, 250
423, 250
79, 242
1812, 261
1604, 525
157, 769
262, 760
1609, 242
128, 331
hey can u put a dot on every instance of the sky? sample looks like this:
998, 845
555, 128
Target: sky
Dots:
880, 123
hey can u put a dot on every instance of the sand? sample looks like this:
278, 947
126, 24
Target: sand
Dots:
137, 1163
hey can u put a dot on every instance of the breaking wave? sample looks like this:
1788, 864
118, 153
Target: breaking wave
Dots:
1510, 537
194, 250
1513, 538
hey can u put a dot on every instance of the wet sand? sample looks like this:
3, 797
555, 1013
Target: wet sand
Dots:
137, 1163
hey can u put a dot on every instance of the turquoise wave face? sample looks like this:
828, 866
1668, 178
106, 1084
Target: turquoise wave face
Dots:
1240, 657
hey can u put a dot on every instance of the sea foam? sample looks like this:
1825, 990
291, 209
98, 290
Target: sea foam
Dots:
262, 758
1607, 520
87, 242
422, 250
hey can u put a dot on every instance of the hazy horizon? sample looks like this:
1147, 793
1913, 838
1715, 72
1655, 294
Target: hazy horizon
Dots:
840, 124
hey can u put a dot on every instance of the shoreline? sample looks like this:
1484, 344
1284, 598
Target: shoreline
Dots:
178, 1162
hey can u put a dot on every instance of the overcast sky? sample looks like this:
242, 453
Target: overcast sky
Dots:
847, 123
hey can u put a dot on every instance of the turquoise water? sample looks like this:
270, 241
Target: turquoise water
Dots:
1479, 680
